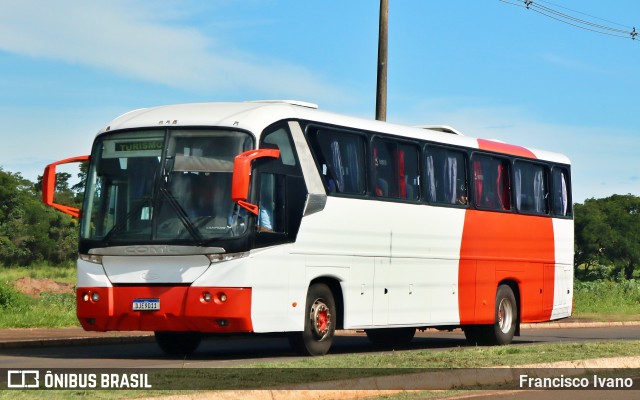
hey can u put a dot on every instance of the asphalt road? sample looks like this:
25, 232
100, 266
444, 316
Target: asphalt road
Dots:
229, 352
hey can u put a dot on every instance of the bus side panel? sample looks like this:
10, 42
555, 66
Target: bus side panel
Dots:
563, 294
467, 271
505, 247
403, 259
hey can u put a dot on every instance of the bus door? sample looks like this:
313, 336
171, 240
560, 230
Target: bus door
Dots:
281, 191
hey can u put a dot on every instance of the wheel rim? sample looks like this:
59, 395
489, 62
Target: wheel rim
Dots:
320, 317
505, 315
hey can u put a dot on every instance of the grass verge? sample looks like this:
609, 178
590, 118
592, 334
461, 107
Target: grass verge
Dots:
50, 310
351, 366
469, 357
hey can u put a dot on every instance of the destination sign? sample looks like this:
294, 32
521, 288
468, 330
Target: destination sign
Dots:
141, 145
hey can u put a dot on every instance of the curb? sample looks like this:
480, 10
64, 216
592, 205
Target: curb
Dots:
75, 341
565, 325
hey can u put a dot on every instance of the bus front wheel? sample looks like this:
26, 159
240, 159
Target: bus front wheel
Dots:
319, 322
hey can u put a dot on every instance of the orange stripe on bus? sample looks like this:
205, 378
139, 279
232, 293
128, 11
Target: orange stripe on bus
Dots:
490, 145
497, 247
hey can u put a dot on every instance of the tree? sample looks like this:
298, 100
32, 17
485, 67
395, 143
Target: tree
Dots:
30, 231
607, 232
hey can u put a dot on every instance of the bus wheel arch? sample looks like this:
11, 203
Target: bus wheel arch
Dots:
336, 290
322, 316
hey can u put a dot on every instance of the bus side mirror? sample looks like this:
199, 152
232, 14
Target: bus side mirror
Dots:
242, 176
49, 185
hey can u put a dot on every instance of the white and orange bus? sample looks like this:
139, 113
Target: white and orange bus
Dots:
274, 216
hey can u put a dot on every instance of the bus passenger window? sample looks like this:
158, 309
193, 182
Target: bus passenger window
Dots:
531, 188
341, 158
561, 201
395, 170
446, 174
491, 183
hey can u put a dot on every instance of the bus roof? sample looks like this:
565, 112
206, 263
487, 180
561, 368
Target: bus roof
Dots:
254, 116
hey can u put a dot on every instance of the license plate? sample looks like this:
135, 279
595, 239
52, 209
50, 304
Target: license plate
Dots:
146, 304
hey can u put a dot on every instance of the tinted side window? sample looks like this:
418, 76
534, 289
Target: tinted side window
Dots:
279, 139
395, 170
491, 185
341, 158
561, 192
446, 176
531, 188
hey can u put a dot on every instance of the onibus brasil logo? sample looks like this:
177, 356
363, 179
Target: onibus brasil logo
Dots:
33, 379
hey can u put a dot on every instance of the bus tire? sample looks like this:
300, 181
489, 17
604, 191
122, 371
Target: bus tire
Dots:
319, 323
391, 337
178, 343
475, 334
506, 317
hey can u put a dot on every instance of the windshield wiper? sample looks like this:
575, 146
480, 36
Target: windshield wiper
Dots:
122, 221
182, 215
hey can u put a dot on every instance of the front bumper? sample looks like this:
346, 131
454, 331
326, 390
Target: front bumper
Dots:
182, 308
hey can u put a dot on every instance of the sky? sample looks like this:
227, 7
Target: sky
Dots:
488, 68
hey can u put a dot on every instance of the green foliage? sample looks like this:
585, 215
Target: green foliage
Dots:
48, 311
607, 297
607, 237
30, 231
10, 297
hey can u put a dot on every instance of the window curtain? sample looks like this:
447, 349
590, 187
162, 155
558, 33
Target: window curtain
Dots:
338, 169
477, 181
502, 187
353, 169
538, 191
431, 179
565, 197
402, 182
518, 178
450, 176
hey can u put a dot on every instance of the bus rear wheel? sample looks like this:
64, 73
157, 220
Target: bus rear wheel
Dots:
391, 337
506, 321
319, 323
178, 343
506, 317
475, 334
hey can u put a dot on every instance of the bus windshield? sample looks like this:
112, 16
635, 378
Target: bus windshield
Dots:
163, 186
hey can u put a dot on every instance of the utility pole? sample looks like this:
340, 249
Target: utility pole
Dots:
381, 89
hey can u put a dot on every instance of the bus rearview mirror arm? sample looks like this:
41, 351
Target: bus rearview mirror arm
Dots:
49, 185
242, 176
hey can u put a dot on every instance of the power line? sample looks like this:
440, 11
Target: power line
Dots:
574, 21
588, 15
578, 20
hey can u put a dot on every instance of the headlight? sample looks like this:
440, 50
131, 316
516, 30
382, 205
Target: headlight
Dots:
216, 258
92, 258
